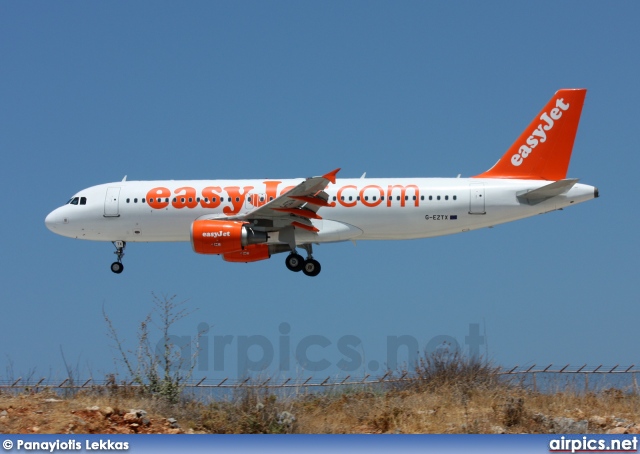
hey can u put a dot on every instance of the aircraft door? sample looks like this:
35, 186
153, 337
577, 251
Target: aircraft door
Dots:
111, 202
476, 200
255, 201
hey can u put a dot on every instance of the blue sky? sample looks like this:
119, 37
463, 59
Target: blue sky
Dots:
93, 91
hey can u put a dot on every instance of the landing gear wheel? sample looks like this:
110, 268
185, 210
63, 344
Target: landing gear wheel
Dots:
294, 262
117, 267
311, 267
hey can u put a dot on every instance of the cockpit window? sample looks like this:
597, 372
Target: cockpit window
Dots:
77, 200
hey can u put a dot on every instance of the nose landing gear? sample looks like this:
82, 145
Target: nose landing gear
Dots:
117, 267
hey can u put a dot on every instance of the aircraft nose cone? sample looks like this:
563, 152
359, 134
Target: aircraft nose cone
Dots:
54, 220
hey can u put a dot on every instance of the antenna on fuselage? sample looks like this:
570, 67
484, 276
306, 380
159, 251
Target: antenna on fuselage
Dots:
125, 178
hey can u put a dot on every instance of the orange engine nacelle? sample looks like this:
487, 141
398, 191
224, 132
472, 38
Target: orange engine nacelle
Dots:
224, 237
251, 253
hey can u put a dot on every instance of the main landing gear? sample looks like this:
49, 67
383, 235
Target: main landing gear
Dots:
118, 267
295, 262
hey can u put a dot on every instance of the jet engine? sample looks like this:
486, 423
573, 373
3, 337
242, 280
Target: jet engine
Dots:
225, 237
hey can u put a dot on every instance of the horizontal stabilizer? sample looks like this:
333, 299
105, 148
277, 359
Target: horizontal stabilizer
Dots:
546, 192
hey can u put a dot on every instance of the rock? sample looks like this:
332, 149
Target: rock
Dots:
130, 417
106, 411
52, 400
569, 426
634, 429
498, 430
146, 422
174, 431
598, 421
94, 408
35, 429
174, 423
3, 414
618, 431
621, 422
140, 413
80, 421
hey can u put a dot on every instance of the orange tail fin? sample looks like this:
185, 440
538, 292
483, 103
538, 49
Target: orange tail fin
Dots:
543, 151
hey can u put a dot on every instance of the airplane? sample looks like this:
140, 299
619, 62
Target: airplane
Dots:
250, 220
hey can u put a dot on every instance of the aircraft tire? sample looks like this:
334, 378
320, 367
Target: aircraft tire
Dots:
311, 267
294, 262
117, 267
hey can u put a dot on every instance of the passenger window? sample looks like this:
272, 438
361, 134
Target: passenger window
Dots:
174, 200
229, 199
271, 198
430, 197
237, 199
142, 201
358, 198
135, 200
151, 200
366, 197
446, 197
455, 197
414, 197
421, 197
438, 197
374, 198
350, 198
83, 200
397, 197
128, 200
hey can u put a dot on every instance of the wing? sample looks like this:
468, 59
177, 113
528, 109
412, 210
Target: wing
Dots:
295, 208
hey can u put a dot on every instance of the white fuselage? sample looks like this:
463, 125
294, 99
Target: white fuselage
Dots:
363, 209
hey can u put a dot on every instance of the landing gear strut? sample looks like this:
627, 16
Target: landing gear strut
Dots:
117, 267
296, 263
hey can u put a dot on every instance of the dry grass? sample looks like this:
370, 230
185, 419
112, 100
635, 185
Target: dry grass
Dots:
450, 397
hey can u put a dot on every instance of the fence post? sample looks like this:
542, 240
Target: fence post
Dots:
635, 383
535, 386
586, 382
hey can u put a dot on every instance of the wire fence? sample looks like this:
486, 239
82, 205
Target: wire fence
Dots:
532, 377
